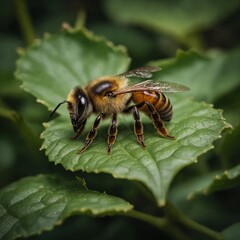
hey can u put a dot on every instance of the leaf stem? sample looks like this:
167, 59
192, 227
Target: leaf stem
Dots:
177, 216
170, 224
161, 223
193, 41
81, 19
24, 129
24, 21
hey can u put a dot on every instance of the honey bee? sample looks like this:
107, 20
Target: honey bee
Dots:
109, 95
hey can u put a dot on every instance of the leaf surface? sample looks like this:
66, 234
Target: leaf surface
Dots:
177, 18
232, 232
209, 77
228, 179
49, 70
36, 204
195, 126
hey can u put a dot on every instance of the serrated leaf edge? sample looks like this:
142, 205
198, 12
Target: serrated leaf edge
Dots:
38, 42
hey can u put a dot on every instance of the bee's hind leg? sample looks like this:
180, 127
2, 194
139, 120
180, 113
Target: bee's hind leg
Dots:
157, 121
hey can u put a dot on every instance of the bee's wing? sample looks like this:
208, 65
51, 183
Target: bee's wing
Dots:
142, 72
151, 85
166, 86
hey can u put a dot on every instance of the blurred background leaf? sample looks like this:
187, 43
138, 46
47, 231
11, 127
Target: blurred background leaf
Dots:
173, 17
213, 78
217, 30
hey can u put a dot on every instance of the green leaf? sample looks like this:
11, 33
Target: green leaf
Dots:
130, 37
229, 150
221, 181
53, 66
209, 77
35, 204
195, 125
213, 78
208, 183
9, 86
22, 126
177, 18
8, 45
230, 178
49, 70
8, 156
186, 190
232, 232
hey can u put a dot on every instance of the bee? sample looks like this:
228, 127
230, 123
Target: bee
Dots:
110, 95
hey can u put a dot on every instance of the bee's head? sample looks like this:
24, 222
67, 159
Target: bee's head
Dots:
77, 104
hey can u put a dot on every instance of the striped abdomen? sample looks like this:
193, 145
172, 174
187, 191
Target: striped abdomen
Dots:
161, 103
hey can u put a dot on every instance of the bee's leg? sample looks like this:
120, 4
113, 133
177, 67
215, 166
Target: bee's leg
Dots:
80, 130
92, 133
138, 127
112, 133
129, 109
157, 121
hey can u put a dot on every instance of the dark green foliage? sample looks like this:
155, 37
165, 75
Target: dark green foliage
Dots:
171, 186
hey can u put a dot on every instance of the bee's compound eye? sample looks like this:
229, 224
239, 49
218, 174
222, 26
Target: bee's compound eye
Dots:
79, 106
83, 100
82, 105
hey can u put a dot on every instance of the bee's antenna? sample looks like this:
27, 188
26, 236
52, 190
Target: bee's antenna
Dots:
55, 109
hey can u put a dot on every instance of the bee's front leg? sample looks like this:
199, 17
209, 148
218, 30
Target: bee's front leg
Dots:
79, 131
92, 133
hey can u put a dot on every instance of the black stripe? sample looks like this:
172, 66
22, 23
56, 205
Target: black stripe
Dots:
102, 86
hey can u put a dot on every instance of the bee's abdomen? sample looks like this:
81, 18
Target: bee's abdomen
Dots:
164, 107
161, 103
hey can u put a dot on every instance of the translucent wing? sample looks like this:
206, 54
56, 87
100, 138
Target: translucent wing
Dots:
142, 72
151, 85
